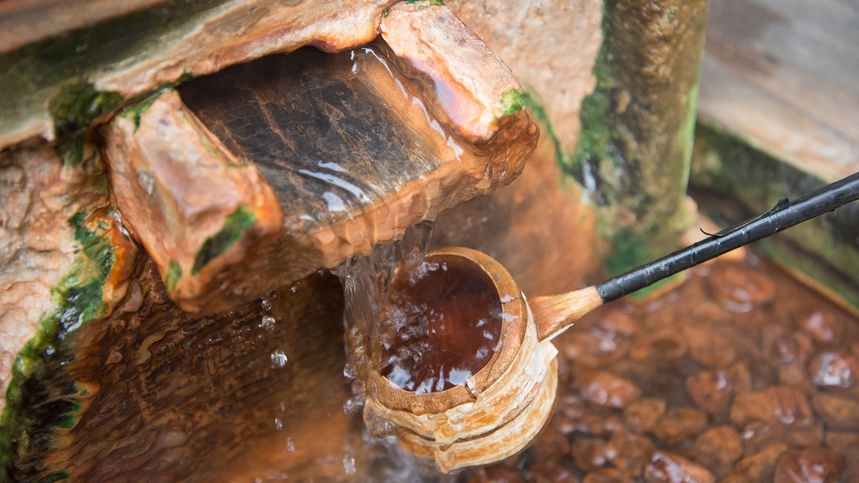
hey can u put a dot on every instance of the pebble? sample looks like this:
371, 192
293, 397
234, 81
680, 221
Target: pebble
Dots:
551, 473
759, 468
134, 299
671, 468
629, 453
833, 369
814, 465
709, 347
838, 412
606, 475
796, 347
719, 446
606, 389
499, 473
595, 348
778, 404
662, 345
618, 321
822, 327
679, 424
735, 288
840, 441
589, 453
643, 415
713, 391
551, 445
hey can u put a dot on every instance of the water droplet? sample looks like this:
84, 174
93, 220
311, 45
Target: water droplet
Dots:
351, 407
266, 305
267, 322
278, 359
283, 406
278, 424
290, 446
349, 465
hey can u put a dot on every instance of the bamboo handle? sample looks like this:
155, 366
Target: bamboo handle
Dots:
556, 313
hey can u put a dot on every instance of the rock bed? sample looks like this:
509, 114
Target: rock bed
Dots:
739, 375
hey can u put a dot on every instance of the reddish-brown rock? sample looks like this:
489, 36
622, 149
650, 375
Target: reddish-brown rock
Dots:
679, 424
778, 404
606, 389
714, 390
839, 413
759, 467
671, 468
814, 465
719, 446
643, 415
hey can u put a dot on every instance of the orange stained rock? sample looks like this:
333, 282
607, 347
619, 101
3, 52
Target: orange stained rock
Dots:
185, 197
471, 87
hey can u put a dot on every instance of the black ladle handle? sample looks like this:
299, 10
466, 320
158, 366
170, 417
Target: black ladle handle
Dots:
783, 216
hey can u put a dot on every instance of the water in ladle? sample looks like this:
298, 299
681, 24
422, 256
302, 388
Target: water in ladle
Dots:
447, 317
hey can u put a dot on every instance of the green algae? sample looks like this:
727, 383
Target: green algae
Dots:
73, 110
174, 274
512, 101
76, 299
234, 228
422, 4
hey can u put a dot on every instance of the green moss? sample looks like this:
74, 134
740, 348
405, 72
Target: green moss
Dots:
76, 299
74, 109
174, 274
422, 4
234, 228
135, 111
513, 101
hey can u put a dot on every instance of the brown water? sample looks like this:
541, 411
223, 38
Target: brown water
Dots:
447, 315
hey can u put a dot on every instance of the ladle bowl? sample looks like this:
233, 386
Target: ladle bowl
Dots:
500, 409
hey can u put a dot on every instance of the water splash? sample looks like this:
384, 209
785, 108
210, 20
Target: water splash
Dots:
366, 283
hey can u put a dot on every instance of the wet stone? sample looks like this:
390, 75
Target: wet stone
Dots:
821, 326
643, 415
719, 446
834, 369
780, 404
606, 475
815, 465
551, 445
662, 345
671, 468
551, 473
589, 453
679, 424
606, 389
594, 348
759, 467
629, 453
838, 412
495, 474
713, 391
792, 348
739, 289
709, 347
841, 441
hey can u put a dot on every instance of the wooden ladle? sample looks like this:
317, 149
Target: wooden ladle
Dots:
556, 313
